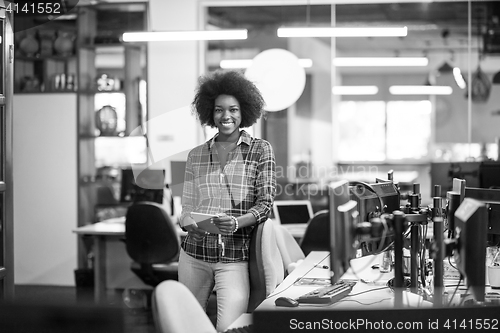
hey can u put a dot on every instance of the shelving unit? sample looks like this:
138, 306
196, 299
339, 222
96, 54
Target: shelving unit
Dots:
125, 99
51, 74
45, 55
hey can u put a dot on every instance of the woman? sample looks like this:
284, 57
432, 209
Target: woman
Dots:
232, 177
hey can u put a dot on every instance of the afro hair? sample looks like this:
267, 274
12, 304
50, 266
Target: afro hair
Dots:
231, 83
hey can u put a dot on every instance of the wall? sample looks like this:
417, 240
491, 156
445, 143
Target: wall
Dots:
45, 188
452, 115
172, 77
310, 121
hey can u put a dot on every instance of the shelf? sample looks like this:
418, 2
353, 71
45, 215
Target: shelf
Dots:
110, 46
45, 92
43, 58
95, 92
91, 137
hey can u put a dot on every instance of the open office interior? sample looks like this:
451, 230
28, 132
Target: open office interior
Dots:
408, 120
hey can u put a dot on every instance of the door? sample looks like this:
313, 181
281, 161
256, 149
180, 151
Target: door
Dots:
6, 194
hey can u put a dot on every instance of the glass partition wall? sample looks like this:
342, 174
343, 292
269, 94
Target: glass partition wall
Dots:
354, 114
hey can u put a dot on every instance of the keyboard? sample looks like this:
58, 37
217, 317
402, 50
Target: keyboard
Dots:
243, 329
328, 294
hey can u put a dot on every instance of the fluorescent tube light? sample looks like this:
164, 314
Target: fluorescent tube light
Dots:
235, 63
380, 61
159, 36
459, 79
421, 90
245, 63
355, 90
343, 32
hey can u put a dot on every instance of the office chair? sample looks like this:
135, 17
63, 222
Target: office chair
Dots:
317, 234
176, 310
266, 269
291, 253
152, 242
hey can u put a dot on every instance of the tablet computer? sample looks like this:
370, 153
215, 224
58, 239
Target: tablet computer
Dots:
204, 222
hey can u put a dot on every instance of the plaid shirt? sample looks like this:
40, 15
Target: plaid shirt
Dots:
247, 184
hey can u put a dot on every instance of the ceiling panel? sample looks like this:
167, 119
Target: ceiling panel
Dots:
433, 26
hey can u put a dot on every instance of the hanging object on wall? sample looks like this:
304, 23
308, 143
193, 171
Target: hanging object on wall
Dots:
279, 76
480, 86
445, 68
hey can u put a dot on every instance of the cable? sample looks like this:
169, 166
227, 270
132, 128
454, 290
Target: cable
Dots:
352, 300
455, 291
367, 291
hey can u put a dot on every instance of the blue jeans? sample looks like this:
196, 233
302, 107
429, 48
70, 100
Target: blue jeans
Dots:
229, 280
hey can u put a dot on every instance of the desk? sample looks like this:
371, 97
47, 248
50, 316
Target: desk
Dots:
375, 294
371, 303
106, 234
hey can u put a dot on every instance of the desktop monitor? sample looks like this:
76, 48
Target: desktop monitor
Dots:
292, 211
338, 195
443, 174
146, 186
489, 175
491, 198
470, 253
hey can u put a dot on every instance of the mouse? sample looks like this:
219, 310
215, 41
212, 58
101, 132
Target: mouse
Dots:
286, 301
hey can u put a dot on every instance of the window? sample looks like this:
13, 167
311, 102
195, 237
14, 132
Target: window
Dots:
380, 131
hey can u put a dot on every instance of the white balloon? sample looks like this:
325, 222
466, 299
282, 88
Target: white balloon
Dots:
279, 77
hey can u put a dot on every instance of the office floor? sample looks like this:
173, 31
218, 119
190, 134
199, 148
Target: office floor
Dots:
137, 320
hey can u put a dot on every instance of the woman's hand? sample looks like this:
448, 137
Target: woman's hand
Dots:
195, 232
225, 224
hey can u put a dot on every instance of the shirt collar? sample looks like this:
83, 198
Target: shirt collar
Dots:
244, 138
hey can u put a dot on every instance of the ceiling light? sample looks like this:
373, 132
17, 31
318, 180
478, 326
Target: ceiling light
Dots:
420, 90
245, 63
355, 90
343, 32
380, 61
158, 36
459, 79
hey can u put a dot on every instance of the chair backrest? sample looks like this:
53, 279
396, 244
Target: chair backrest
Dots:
291, 253
317, 234
175, 309
265, 264
150, 235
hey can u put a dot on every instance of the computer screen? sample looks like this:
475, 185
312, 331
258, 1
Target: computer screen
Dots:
491, 198
470, 252
292, 211
338, 195
443, 173
489, 175
148, 185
